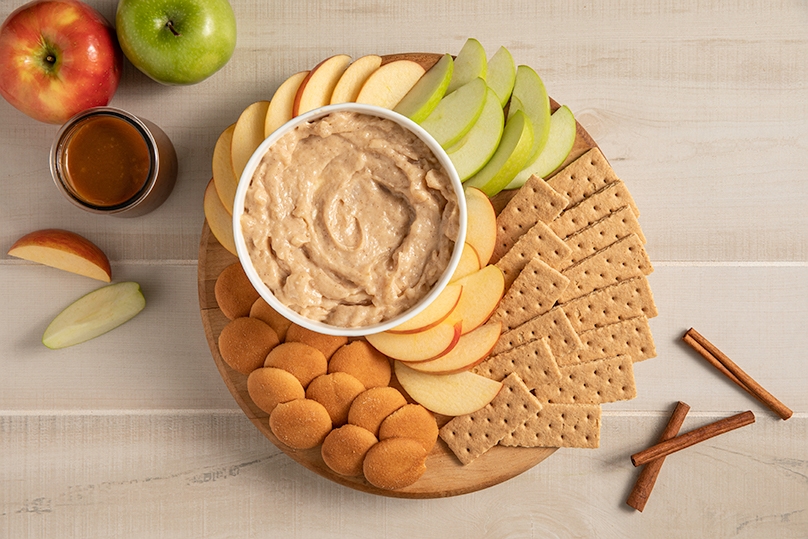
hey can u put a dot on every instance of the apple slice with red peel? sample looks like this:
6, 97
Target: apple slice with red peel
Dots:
280, 106
470, 63
223, 178
456, 113
316, 89
219, 221
481, 231
482, 292
386, 86
422, 99
469, 263
447, 394
94, 314
349, 84
420, 346
434, 314
63, 250
247, 135
470, 351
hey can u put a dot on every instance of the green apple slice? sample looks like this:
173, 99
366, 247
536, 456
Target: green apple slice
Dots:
558, 147
501, 74
469, 64
531, 98
422, 99
511, 155
476, 148
456, 113
94, 314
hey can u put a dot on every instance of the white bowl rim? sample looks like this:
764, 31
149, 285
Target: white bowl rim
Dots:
244, 256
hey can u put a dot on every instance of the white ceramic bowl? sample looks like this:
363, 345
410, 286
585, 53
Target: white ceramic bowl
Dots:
241, 246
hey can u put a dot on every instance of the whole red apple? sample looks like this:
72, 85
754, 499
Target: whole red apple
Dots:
57, 58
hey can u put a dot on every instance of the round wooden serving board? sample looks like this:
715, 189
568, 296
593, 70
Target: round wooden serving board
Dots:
444, 475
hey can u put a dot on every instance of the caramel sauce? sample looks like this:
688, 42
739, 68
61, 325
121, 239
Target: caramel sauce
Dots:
106, 161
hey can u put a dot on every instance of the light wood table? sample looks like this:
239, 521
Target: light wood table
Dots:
700, 106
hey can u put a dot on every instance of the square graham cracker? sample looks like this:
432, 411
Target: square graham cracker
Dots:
602, 233
584, 176
626, 299
623, 259
469, 436
534, 291
534, 202
599, 205
540, 242
554, 327
559, 425
593, 382
533, 362
630, 337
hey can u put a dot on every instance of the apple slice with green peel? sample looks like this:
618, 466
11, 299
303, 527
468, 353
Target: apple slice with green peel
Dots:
511, 155
64, 250
94, 314
317, 88
419, 346
422, 99
470, 63
247, 135
447, 394
351, 81
387, 85
470, 351
473, 151
468, 264
280, 107
434, 314
219, 220
481, 230
501, 74
531, 98
223, 178
456, 113
559, 145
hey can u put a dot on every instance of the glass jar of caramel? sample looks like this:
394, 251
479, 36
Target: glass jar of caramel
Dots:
105, 160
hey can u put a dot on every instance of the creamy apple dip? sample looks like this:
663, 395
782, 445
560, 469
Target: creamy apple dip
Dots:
350, 219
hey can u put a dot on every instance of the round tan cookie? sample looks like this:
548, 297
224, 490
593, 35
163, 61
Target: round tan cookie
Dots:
344, 449
372, 406
245, 342
364, 362
327, 344
302, 360
270, 386
300, 424
335, 391
394, 463
411, 421
234, 293
263, 311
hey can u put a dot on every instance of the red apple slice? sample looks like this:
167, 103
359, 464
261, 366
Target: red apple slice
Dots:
434, 314
470, 350
420, 346
387, 85
349, 84
482, 291
280, 107
469, 263
247, 135
63, 250
219, 221
481, 231
448, 394
223, 178
316, 89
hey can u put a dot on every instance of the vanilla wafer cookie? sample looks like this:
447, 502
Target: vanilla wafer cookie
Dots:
559, 425
553, 326
593, 382
533, 362
533, 292
626, 299
600, 234
539, 242
610, 198
630, 337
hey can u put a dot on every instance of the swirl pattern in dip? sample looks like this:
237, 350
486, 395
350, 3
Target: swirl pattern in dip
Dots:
350, 219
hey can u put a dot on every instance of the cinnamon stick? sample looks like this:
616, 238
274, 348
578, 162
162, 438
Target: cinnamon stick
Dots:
683, 441
648, 475
720, 361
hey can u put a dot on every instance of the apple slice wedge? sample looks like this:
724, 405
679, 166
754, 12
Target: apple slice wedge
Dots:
531, 98
355, 75
280, 106
317, 88
222, 166
64, 250
420, 346
470, 64
247, 135
501, 74
482, 291
469, 263
219, 221
433, 314
94, 314
386, 86
481, 230
447, 394
422, 99
456, 113
476, 148
470, 351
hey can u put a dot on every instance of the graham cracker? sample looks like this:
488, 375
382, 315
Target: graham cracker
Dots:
559, 425
534, 202
533, 362
584, 176
533, 292
623, 259
593, 382
610, 198
471, 435
540, 242
626, 299
600, 234
554, 327
630, 337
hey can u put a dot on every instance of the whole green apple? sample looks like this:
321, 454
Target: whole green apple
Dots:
177, 41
